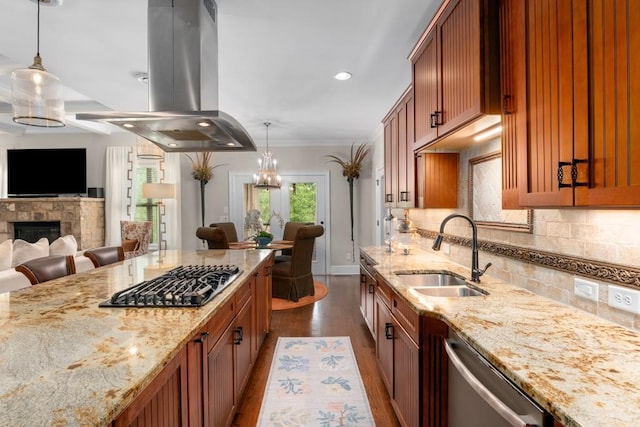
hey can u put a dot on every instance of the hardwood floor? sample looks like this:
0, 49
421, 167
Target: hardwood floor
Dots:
337, 314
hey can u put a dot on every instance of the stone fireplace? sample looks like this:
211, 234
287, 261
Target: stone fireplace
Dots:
83, 217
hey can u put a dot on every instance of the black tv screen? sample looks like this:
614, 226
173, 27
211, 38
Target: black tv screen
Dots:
49, 171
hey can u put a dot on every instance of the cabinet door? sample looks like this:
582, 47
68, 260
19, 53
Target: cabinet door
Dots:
242, 331
613, 105
163, 403
388, 162
384, 343
262, 301
460, 52
367, 291
426, 91
407, 380
550, 75
513, 91
220, 406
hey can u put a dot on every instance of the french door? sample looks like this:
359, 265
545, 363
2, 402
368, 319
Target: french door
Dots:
301, 198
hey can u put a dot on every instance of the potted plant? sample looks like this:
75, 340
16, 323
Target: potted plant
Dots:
263, 238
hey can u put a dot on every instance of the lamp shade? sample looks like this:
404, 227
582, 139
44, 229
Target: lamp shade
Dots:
37, 97
157, 190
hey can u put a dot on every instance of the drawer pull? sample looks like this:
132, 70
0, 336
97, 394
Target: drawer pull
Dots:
388, 331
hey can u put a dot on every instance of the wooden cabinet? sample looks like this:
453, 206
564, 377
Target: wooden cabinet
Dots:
367, 292
164, 402
398, 153
398, 353
262, 292
575, 101
437, 181
456, 69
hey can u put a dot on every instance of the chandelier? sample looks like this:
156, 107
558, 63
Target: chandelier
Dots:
37, 96
267, 176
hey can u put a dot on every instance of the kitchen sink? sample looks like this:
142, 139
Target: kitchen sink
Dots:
430, 279
442, 284
447, 291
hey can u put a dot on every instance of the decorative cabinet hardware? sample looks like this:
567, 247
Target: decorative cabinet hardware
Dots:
507, 107
388, 331
372, 288
388, 198
203, 336
435, 119
573, 173
404, 196
237, 340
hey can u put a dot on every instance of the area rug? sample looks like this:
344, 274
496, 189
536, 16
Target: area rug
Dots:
320, 291
314, 382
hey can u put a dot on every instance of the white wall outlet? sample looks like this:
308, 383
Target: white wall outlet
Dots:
446, 248
624, 299
585, 288
347, 256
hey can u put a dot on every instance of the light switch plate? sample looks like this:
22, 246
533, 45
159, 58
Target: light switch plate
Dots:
585, 288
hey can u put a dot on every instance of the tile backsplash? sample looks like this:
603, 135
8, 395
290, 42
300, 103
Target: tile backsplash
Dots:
609, 236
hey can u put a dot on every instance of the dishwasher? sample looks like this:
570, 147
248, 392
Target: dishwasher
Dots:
480, 396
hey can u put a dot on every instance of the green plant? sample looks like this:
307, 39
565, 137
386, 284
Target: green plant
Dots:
263, 233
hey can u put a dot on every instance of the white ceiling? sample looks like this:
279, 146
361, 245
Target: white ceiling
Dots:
277, 59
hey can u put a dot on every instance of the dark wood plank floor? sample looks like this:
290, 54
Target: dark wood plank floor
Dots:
338, 314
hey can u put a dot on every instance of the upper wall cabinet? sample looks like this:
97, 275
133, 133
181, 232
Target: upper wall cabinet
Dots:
456, 69
399, 162
574, 101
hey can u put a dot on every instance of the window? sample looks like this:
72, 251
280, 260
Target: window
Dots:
146, 209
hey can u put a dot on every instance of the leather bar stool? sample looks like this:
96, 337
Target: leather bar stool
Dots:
40, 270
105, 255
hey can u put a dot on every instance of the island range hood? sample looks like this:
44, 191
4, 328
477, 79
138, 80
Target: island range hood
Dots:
183, 83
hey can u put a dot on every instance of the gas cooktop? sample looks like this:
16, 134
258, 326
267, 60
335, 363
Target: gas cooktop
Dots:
184, 286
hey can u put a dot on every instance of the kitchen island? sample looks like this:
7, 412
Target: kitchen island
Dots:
582, 369
65, 361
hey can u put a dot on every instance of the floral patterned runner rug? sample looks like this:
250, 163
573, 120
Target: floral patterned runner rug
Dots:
314, 381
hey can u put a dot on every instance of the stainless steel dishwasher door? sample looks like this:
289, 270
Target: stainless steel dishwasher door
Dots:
480, 396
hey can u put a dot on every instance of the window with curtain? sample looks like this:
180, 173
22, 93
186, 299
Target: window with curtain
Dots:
147, 209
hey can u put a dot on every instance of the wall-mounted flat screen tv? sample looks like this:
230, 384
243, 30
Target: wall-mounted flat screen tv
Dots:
47, 172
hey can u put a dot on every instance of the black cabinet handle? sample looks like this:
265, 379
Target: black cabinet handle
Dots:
388, 331
435, 119
404, 196
363, 278
506, 105
573, 174
372, 288
203, 336
388, 198
239, 335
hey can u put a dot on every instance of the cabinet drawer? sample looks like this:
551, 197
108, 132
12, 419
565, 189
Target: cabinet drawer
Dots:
383, 291
406, 317
242, 295
217, 324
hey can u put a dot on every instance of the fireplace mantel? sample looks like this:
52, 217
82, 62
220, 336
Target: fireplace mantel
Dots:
81, 216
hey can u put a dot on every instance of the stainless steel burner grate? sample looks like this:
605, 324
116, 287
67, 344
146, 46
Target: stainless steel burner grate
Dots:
184, 286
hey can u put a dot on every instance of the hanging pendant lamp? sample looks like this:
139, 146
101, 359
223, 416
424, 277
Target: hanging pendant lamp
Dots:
37, 96
267, 176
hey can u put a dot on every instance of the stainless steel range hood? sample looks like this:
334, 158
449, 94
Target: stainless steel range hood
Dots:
183, 83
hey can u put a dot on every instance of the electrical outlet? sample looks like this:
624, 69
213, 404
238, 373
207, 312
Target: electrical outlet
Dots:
585, 289
348, 256
624, 299
224, 218
446, 248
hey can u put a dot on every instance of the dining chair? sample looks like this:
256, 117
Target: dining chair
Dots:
289, 233
216, 237
293, 279
105, 255
229, 229
42, 269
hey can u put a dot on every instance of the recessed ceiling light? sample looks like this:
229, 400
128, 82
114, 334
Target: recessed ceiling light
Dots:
342, 75
127, 125
204, 124
231, 144
172, 144
52, 3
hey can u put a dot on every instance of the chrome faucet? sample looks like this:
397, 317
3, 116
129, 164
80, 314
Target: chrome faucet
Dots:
475, 270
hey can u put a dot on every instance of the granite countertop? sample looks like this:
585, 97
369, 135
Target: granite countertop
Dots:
581, 368
64, 361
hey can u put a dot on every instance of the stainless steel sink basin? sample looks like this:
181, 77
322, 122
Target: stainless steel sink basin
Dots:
430, 279
448, 291
441, 284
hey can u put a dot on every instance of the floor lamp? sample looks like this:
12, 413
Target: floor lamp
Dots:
160, 191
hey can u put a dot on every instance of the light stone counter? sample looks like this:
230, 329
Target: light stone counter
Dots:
64, 361
583, 369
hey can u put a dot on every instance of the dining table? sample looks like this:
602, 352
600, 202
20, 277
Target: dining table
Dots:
274, 245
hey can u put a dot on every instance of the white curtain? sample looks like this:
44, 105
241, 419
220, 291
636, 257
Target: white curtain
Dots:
3, 173
119, 191
173, 216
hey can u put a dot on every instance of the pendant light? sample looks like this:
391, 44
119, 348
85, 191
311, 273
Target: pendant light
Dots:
37, 96
267, 176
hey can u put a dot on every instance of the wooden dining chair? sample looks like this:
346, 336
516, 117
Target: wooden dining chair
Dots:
229, 229
293, 279
40, 270
105, 255
289, 233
